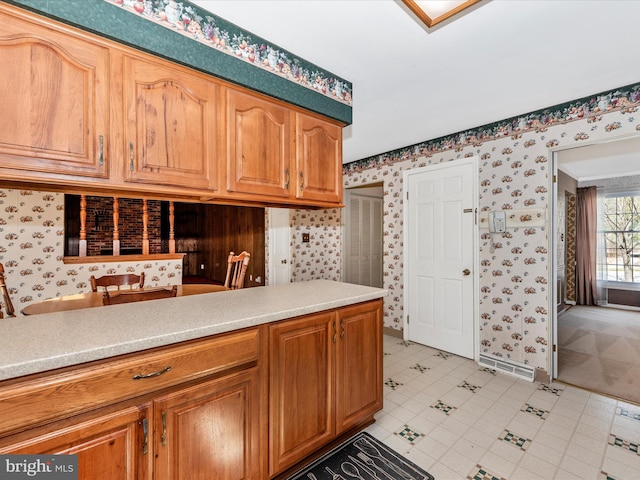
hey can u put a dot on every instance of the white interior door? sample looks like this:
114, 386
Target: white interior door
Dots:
279, 246
441, 256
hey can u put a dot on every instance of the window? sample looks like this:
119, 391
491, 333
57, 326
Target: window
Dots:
621, 234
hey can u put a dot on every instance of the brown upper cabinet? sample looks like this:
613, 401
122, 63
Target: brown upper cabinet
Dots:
170, 137
55, 103
318, 159
88, 115
258, 146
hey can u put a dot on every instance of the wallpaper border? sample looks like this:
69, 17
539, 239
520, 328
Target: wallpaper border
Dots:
311, 87
591, 107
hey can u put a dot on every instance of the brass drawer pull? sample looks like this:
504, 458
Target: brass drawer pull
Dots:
101, 155
163, 439
152, 374
145, 432
131, 156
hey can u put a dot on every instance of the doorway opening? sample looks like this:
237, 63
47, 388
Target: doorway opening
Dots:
597, 337
363, 234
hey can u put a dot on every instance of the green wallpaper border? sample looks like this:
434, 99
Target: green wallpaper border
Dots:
104, 19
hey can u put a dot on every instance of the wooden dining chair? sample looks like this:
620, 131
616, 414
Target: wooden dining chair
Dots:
6, 299
124, 279
128, 296
236, 268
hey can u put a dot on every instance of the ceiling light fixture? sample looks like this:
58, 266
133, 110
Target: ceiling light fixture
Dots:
432, 12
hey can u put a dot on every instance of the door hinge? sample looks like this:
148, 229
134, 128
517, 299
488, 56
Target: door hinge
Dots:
554, 179
407, 319
407, 194
554, 348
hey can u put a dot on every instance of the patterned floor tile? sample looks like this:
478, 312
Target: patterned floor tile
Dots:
420, 368
538, 412
443, 407
546, 388
515, 440
392, 384
409, 434
624, 444
605, 476
480, 473
472, 388
623, 412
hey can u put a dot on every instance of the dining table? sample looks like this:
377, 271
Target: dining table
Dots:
94, 299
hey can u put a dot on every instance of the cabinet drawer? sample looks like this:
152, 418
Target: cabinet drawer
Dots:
71, 391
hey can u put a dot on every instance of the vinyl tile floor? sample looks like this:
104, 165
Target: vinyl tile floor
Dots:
458, 420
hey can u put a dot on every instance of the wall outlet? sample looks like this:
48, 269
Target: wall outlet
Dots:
305, 238
202, 266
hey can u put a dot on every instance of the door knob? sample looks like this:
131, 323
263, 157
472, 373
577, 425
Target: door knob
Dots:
466, 272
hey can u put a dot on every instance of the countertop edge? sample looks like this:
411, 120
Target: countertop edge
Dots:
270, 304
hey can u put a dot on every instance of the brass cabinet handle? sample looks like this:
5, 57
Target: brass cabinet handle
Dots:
131, 156
164, 428
286, 183
101, 153
341, 328
140, 376
145, 432
334, 331
466, 272
301, 180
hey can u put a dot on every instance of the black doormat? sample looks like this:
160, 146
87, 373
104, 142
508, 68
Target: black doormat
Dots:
364, 458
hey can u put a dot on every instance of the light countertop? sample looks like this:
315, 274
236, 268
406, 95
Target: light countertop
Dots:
37, 343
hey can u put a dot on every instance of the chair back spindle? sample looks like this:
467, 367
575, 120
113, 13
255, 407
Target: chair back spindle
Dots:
6, 299
125, 279
236, 269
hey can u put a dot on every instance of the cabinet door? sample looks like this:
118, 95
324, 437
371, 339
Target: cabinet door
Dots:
258, 143
358, 364
319, 159
55, 108
301, 361
112, 446
210, 430
171, 125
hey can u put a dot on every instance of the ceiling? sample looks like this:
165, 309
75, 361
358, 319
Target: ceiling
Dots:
618, 158
496, 60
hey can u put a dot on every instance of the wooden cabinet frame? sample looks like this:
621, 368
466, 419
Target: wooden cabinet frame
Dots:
144, 125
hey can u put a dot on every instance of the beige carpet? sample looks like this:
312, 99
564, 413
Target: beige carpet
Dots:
599, 350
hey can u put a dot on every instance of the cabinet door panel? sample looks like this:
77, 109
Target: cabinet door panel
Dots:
210, 430
359, 364
259, 154
55, 103
301, 388
171, 125
319, 159
109, 447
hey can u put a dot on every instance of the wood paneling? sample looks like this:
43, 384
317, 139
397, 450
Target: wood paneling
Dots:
210, 232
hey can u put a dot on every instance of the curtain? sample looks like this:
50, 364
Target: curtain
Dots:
586, 246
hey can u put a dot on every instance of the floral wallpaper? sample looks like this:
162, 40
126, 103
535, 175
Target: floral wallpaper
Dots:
514, 176
202, 26
32, 249
320, 257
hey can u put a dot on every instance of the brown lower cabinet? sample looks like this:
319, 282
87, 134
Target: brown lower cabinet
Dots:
229, 407
109, 445
325, 378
